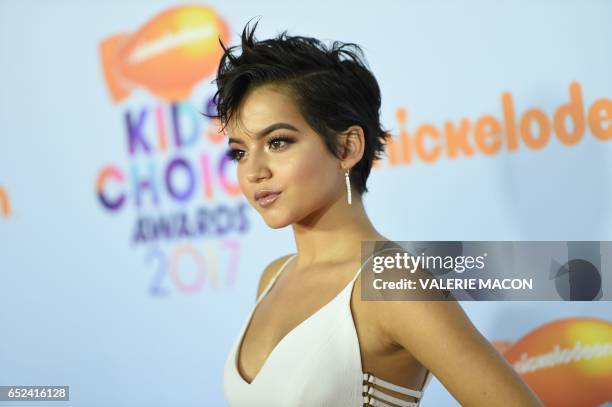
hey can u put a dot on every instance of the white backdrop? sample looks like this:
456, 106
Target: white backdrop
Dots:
82, 304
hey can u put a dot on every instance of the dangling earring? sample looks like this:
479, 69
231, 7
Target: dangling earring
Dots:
348, 186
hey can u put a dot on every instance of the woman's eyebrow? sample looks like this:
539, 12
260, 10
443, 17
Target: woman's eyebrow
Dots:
265, 131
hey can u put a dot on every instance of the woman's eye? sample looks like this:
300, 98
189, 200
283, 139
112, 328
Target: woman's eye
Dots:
234, 154
279, 142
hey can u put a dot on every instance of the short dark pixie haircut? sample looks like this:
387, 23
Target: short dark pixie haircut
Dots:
332, 88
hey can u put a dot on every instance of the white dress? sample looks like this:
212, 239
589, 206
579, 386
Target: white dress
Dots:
318, 363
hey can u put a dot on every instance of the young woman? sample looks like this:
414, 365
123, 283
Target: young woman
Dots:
303, 125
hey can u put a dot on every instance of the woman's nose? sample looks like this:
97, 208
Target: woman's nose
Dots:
258, 169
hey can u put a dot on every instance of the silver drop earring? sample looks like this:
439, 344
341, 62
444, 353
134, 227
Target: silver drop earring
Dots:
348, 186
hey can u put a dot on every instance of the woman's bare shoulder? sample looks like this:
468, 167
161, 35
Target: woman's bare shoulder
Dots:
269, 273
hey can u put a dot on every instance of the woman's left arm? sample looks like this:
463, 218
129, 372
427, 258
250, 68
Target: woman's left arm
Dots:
441, 336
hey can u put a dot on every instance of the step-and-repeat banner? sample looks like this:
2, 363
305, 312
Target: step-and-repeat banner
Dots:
129, 258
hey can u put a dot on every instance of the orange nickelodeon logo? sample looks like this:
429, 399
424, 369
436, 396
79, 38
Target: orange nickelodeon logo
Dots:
488, 134
168, 55
566, 362
5, 205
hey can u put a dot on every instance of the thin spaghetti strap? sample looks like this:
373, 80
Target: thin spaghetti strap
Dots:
386, 246
360, 268
271, 283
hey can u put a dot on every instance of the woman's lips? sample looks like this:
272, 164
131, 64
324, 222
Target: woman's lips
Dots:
268, 199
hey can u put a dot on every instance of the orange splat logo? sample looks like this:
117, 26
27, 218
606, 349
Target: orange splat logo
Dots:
566, 362
168, 55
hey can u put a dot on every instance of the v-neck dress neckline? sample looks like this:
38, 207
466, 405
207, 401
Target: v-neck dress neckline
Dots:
317, 363
288, 334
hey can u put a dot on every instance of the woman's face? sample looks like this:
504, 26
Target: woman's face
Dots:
276, 150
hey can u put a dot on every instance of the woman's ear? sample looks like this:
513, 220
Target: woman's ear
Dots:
353, 145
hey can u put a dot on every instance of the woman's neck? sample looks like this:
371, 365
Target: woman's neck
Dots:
333, 234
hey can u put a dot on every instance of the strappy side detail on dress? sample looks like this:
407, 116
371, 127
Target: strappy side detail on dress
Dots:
369, 392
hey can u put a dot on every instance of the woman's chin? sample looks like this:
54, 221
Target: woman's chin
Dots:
276, 222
